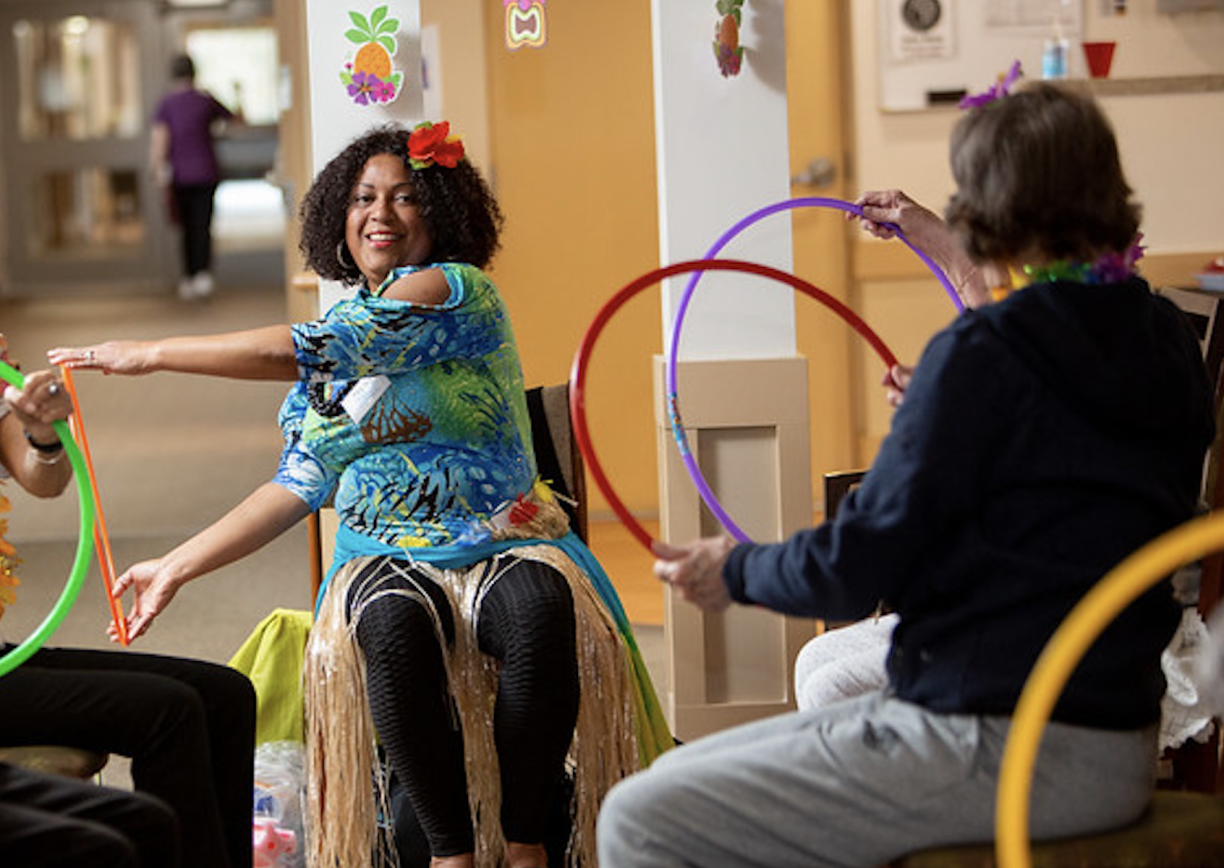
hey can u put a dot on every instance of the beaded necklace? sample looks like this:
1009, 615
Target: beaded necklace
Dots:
1110, 268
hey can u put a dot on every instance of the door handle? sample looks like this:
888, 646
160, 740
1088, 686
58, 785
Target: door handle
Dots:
820, 172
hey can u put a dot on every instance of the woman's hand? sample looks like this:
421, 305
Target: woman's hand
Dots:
264, 353
153, 589
265, 514
113, 357
41, 400
30, 448
886, 211
695, 571
896, 380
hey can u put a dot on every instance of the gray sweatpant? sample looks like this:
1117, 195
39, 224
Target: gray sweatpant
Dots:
858, 783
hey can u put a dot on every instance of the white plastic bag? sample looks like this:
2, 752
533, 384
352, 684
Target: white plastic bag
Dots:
1184, 714
1209, 665
276, 832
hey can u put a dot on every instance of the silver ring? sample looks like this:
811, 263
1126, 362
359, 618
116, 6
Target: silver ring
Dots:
53, 389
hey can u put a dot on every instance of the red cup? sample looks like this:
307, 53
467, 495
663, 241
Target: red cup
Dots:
1099, 56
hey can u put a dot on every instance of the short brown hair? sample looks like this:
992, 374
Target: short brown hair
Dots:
1038, 172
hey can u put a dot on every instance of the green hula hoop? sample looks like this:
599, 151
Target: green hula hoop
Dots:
84, 552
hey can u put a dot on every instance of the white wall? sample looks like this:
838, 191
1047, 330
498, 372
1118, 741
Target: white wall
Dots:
1171, 144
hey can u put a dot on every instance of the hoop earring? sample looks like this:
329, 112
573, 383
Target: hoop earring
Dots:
347, 266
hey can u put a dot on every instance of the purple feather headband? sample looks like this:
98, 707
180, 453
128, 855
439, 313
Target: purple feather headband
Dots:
1001, 88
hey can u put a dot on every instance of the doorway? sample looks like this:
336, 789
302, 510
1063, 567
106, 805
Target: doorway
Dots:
79, 213
74, 101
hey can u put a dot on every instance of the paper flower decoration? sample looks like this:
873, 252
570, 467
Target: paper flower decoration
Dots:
432, 143
1002, 87
525, 24
522, 511
727, 50
369, 76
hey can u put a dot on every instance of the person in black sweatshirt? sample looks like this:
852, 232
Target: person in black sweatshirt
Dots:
1042, 439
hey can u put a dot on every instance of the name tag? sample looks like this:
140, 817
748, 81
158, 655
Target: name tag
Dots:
363, 396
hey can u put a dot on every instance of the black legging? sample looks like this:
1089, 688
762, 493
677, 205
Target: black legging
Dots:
526, 621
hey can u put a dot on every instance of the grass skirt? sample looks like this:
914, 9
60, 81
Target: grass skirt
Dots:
346, 795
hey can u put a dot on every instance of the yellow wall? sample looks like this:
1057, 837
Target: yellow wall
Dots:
464, 80
574, 170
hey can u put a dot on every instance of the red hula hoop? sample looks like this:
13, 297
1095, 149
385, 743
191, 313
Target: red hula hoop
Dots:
577, 382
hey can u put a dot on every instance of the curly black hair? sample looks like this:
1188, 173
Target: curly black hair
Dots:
456, 205
1039, 171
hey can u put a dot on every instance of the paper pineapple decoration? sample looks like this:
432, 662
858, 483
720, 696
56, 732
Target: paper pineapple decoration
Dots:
370, 76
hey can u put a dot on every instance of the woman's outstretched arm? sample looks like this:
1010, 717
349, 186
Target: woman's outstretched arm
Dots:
255, 354
265, 514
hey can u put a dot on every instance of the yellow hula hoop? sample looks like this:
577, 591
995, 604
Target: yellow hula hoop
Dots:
1125, 582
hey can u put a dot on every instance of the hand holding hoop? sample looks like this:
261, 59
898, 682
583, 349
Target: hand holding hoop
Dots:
690, 462
84, 552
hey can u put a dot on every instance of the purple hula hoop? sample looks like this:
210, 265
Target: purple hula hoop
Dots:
673, 404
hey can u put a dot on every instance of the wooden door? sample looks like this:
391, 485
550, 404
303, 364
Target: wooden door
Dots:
292, 172
817, 34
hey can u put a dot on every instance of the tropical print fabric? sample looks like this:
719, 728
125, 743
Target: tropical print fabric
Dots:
411, 419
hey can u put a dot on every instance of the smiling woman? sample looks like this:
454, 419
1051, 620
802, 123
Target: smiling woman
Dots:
384, 228
457, 590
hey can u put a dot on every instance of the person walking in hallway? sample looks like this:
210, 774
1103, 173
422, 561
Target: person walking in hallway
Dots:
183, 159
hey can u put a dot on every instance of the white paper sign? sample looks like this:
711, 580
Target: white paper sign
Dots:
921, 30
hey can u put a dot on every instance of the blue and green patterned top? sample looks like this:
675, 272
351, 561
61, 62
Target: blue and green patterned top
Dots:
410, 418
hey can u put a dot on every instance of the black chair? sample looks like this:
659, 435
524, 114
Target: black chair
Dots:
556, 451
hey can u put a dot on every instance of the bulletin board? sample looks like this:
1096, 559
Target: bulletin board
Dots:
932, 52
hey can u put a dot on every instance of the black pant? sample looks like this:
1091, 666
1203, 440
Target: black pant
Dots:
526, 621
195, 210
187, 725
49, 821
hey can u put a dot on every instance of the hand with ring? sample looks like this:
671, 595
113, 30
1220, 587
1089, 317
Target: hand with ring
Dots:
112, 357
41, 401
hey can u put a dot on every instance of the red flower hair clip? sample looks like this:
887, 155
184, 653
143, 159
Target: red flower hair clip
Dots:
430, 143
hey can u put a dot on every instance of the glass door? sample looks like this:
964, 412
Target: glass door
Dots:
76, 92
